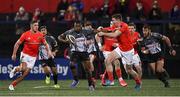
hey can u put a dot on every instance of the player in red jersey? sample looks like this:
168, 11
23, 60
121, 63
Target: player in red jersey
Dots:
124, 50
31, 39
136, 59
108, 46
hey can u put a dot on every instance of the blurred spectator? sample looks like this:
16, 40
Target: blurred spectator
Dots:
121, 7
175, 13
22, 15
78, 8
70, 14
38, 15
105, 9
138, 13
155, 13
78, 4
21, 18
61, 9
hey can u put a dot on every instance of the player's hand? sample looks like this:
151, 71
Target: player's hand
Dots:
99, 28
172, 52
13, 57
100, 34
54, 53
145, 51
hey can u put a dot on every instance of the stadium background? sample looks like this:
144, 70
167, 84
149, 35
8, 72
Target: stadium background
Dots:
8, 27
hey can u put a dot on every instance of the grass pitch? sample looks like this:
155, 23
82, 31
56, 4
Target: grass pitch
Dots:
151, 87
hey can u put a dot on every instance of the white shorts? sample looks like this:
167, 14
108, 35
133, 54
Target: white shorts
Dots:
136, 60
127, 56
29, 60
106, 53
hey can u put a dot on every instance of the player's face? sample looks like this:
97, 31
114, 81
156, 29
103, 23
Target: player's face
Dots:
132, 29
146, 32
77, 27
44, 31
115, 22
35, 27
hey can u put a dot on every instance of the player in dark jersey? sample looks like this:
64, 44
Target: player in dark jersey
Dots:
78, 47
45, 60
151, 46
92, 48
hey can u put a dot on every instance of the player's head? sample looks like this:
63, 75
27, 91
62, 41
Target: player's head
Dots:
132, 27
87, 25
43, 30
146, 30
77, 26
116, 19
34, 26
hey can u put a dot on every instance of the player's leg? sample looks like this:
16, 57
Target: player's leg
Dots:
20, 78
74, 57
139, 70
119, 73
87, 68
92, 58
109, 68
162, 73
128, 58
137, 64
55, 77
47, 73
152, 66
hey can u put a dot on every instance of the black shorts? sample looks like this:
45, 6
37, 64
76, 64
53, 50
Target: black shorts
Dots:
49, 62
79, 56
152, 58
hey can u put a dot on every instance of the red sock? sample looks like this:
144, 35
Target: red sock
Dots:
118, 73
14, 83
110, 76
138, 81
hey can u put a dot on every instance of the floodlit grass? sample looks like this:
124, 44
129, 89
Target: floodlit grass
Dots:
151, 87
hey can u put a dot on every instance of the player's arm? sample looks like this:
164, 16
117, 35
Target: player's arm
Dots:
47, 48
55, 46
114, 34
16, 46
168, 43
99, 41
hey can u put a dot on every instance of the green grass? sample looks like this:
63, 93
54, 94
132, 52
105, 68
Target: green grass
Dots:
149, 88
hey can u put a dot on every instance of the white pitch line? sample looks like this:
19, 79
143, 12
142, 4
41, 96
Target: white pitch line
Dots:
42, 87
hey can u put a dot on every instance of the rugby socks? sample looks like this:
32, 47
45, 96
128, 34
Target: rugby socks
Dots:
110, 76
162, 76
14, 83
118, 73
89, 77
55, 77
74, 72
137, 80
48, 75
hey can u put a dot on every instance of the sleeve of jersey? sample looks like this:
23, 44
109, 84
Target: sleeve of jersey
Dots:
43, 40
158, 35
23, 37
124, 28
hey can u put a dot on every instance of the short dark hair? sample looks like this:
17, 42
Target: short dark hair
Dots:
146, 26
42, 27
132, 24
77, 22
117, 16
32, 22
87, 23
